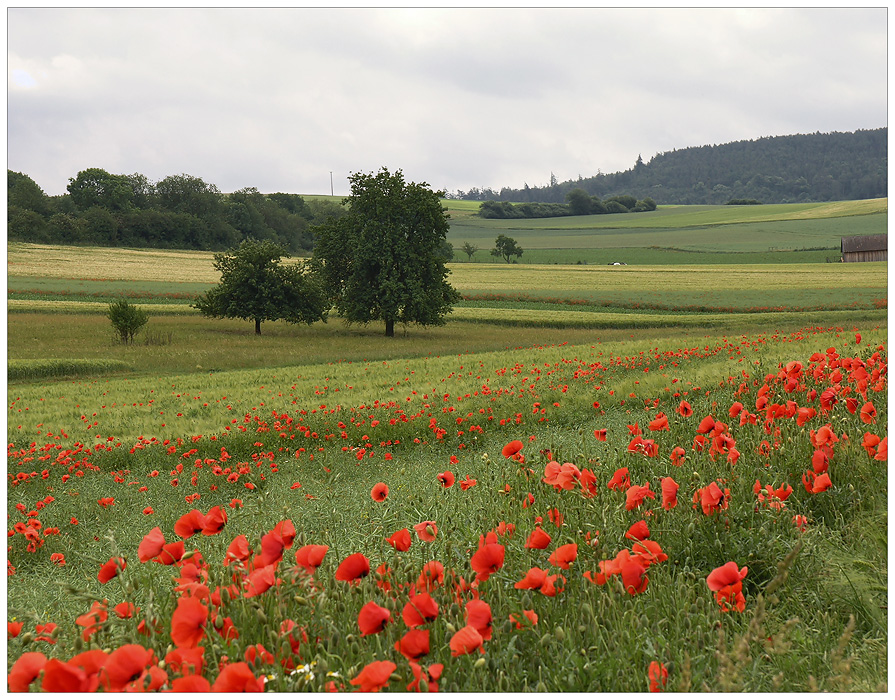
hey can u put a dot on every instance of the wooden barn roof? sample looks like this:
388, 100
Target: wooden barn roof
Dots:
856, 244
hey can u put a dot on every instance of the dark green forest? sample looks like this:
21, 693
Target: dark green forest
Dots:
180, 211
773, 170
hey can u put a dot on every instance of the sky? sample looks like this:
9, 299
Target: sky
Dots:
294, 100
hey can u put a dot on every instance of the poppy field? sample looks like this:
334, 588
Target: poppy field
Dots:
646, 513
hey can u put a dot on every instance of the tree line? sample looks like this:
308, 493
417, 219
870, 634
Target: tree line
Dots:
179, 211
799, 168
578, 203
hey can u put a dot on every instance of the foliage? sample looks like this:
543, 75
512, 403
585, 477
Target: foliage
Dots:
470, 249
383, 261
796, 168
255, 287
506, 248
127, 319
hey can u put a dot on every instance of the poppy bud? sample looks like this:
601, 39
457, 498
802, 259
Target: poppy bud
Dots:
450, 628
424, 686
27, 638
587, 609
218, 622
542, 688
546, 639
301, 601
582, 629
480, 663
559, 633
349, 638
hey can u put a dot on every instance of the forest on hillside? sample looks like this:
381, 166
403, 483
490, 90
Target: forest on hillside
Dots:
773, 170
179, 211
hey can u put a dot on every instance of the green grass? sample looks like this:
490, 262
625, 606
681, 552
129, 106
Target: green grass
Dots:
597, 638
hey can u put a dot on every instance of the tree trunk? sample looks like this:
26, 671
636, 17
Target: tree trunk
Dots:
257, 326
389, 328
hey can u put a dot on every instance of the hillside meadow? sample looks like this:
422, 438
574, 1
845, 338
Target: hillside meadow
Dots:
590, 479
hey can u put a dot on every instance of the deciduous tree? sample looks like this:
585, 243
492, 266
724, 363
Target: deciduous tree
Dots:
506, 248
383, 260
255, 286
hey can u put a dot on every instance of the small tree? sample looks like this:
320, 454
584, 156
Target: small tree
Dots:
127, 319
506, 247
469, 249
256, 287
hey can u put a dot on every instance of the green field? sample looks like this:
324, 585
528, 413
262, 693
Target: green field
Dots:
680, 235
301, 427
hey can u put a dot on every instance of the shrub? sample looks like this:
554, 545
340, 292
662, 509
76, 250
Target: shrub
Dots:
127, 319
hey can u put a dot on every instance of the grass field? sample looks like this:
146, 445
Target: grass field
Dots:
695, 497
682, 235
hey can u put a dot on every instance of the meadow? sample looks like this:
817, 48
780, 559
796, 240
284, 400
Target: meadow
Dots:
589, 479
677, 235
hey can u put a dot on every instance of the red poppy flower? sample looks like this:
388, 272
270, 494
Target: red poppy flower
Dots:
660, 422
215, 519
633, 573
25, 671
372, 619
706, 425
171, 552
45, 632
237, 678
272, 547
669, 493
478, 614
374, 676
311, 556
869, 443
620, 481
658, 677
353, 568
126, 667
238, 550
647, 553
286, 530
186, 660
549, 588
882, 450
564, 555
638, 531
446, 479
512, 448
588, 481
816, 483
487, 560
400, 540
414, 644
677, 456
13, 629
529, 618
190, 684
188, 622
685, 409
868, 413
420, 610
151, 545
260, 580
110, 569
533, 579
426, 530
91, 621
431, 676
379, 492
727, 583
189, 524
431, 576
712, 498
635, 495
467, 483
600, 434
126, 610
465, 641
538, 539
61, 677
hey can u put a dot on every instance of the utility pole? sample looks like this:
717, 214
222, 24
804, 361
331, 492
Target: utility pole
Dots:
332, 194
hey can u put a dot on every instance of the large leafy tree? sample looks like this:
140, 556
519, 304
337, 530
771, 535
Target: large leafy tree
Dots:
256, 286
384, 260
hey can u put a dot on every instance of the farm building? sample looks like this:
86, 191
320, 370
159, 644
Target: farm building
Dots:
865, 248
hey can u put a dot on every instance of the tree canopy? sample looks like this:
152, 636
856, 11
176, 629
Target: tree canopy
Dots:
506, 248
255, 286
385, 259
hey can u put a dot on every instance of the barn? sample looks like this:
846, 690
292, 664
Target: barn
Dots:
865, 248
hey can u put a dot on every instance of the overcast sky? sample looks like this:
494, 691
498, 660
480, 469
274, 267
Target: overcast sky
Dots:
459, 98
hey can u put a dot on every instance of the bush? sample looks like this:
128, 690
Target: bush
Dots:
127, 319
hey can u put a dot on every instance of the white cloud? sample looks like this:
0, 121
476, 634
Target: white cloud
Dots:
457, 97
